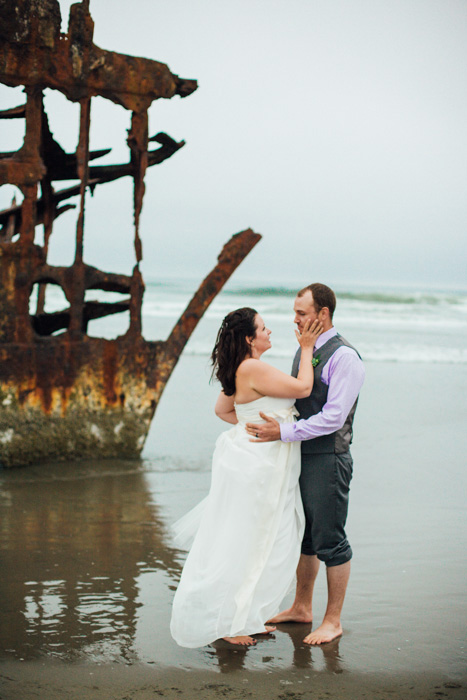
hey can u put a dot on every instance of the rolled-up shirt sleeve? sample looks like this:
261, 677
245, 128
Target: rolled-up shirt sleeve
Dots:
346, 374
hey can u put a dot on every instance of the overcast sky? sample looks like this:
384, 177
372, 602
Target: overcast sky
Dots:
335, 128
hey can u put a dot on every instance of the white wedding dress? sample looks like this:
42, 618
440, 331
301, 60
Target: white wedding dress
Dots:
247, 534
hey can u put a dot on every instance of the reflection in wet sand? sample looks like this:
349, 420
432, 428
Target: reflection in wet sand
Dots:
74, 541
304, 656
89, 573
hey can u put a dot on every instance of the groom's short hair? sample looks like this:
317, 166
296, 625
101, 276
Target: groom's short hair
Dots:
322, 296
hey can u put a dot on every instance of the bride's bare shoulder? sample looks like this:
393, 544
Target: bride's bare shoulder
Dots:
248, 365
251, 366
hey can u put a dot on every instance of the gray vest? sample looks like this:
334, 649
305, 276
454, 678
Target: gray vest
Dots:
339, 441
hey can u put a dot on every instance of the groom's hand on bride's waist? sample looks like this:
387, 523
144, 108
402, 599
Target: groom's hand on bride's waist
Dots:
264, 432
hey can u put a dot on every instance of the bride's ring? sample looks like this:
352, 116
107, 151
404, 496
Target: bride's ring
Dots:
257, 435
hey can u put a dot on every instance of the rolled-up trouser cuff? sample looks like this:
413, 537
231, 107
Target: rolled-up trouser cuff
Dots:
324, 484
334, 557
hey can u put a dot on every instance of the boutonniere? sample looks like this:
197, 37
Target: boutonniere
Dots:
315, 360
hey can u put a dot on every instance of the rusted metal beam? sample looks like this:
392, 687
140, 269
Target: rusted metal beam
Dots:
138, 143
46, 324
230, 257
13, 113
16, 210
97, 176
232, 254
34, 52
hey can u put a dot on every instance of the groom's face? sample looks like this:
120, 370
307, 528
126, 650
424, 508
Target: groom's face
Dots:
304, 310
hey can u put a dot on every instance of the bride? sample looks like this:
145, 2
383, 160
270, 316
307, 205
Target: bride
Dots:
248, 530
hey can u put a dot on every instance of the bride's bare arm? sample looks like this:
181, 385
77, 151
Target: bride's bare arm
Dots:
270, 381
225, 408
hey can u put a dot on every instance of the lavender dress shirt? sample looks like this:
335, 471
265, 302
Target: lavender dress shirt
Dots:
344, 374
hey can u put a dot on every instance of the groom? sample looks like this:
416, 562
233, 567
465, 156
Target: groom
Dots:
325, 429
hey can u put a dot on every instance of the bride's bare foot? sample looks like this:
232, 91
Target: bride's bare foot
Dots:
292, 615
326, 632
243, 641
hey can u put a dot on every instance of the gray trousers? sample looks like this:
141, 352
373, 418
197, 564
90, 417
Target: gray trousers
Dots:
324, 485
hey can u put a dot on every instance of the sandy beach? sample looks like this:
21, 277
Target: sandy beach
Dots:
141, 682
89, 568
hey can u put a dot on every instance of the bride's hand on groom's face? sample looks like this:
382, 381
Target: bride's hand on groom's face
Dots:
310, 333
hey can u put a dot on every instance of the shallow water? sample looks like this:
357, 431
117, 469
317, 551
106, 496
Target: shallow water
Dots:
88, 568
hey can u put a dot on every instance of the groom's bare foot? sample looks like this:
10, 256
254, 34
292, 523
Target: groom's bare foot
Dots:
243, 641
292, 615
326, 632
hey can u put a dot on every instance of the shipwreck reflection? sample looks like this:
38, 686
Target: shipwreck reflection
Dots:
74, 542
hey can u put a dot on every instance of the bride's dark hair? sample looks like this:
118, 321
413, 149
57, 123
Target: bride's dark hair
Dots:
231, 346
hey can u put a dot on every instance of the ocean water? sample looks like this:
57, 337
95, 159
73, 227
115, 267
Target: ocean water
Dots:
385, 324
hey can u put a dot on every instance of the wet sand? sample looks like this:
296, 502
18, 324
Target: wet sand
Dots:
89, 569
139, 682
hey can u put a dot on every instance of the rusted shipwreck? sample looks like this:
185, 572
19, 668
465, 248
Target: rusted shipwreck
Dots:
64, 394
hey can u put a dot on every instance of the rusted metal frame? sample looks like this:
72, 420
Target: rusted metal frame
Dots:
23, 330
18, 112
138, 144
108, 173
29, 154
97, 175
107, 281
9, 228
49, 217
135, 328
28, 167
82, 157
58, 197
49, 214
61, 165
88, 371
24, 167
45, 324
49, 211
127, 80
100, 309
232, 254
94, 278
10, 219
